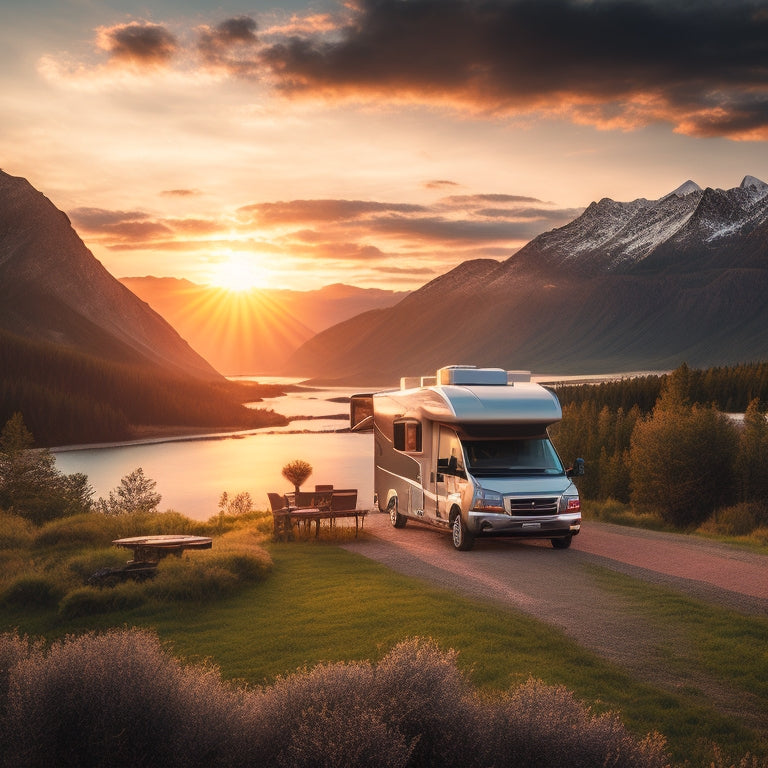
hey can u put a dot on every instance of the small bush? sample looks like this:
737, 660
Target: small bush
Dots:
15, 531
33, 590
84, 565
85, 529
191, 580
91, 601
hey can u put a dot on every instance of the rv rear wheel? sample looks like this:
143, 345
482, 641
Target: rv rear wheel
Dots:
562, 543
397, 520
462, 538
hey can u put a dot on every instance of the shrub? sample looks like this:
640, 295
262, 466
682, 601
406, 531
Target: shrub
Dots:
88, 529
738, 520
544, 726
84, 565
33, 590
119, 700
115, 700
15, 531
188, 579
91, 601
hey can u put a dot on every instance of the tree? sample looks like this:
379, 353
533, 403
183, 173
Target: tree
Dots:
682, 459
135, 493
296, 472
30, 484
753, 449
241, 504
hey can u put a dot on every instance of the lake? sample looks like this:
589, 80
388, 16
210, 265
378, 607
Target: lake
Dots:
191, 474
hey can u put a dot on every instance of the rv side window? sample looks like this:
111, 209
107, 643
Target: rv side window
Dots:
408, 436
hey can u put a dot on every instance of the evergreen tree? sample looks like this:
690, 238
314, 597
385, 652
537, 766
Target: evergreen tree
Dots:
136, 493
682, 458
30, 484
752, 453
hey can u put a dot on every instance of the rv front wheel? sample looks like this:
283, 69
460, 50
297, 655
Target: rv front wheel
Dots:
397, 520
462, 539
562, 543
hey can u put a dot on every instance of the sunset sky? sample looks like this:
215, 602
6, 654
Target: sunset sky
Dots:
373, 142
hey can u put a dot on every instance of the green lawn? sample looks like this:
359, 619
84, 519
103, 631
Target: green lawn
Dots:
323, 604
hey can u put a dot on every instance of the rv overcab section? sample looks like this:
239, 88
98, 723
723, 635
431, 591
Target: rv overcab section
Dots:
468, 450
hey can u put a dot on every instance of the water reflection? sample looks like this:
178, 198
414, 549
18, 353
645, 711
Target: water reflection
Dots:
192, 474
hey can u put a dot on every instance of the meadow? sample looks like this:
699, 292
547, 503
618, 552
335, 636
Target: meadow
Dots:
262, 613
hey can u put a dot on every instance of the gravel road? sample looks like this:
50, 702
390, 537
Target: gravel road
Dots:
560, 588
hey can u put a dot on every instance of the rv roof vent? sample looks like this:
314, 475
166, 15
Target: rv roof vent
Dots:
522, 376
465, 374
409, 382
428, 381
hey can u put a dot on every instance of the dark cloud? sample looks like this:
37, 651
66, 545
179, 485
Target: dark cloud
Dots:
138, 43
230, 46
93, 219
296, 211
700, 64
442, 230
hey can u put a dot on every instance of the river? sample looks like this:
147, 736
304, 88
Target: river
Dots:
192, 473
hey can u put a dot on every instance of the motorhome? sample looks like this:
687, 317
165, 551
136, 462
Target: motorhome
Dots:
468, 450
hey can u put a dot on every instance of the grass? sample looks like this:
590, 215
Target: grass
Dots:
323, 604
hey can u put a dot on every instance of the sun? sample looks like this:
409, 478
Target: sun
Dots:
237, 272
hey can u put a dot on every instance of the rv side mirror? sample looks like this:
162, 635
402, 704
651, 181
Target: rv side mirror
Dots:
577, 470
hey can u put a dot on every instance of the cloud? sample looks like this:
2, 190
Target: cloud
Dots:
700, 65
230, 46
307, 211
139, 44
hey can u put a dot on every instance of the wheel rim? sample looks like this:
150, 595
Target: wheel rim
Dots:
457, 532
393, 513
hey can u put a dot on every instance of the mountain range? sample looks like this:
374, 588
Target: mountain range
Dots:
253, 332
646, 284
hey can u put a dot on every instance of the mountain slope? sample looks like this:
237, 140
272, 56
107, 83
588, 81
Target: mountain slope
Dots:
53, 289
644, 284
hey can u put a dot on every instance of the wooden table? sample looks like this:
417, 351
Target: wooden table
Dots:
284, 518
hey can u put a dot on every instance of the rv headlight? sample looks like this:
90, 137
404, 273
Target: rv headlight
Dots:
569, 504
488, 501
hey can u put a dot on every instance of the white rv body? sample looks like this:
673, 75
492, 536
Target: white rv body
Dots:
468, 450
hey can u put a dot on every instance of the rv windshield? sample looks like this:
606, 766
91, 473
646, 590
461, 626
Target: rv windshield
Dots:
527, 456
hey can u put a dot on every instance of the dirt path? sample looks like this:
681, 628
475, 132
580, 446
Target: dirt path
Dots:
562, 588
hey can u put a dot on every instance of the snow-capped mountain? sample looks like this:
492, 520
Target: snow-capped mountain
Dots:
625, 286
620, 237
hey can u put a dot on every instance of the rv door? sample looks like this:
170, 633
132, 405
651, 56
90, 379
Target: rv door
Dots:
450, 474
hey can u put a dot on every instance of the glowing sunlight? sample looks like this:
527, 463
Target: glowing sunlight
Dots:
238, 272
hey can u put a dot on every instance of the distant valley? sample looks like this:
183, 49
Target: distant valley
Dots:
253, 332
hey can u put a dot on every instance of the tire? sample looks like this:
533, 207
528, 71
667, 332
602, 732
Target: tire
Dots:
562, 543
463, 540
397, 520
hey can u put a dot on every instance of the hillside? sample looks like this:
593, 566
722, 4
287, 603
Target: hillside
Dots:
625, 286
81, 357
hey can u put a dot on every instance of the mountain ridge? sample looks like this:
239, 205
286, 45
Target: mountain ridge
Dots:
625, 286
53, 289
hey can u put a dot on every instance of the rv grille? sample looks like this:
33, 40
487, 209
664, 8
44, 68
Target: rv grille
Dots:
533, 506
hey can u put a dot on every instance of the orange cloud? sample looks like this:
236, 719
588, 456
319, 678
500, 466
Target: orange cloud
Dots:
140, 44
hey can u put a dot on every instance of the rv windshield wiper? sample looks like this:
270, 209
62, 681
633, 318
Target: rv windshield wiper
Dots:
506, 471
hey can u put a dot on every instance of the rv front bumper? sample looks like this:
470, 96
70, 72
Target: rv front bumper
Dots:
495, 524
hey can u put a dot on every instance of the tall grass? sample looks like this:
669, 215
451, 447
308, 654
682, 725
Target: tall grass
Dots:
118, 699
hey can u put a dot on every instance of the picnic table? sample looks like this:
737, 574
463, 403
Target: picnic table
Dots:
308, 508
147, 553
